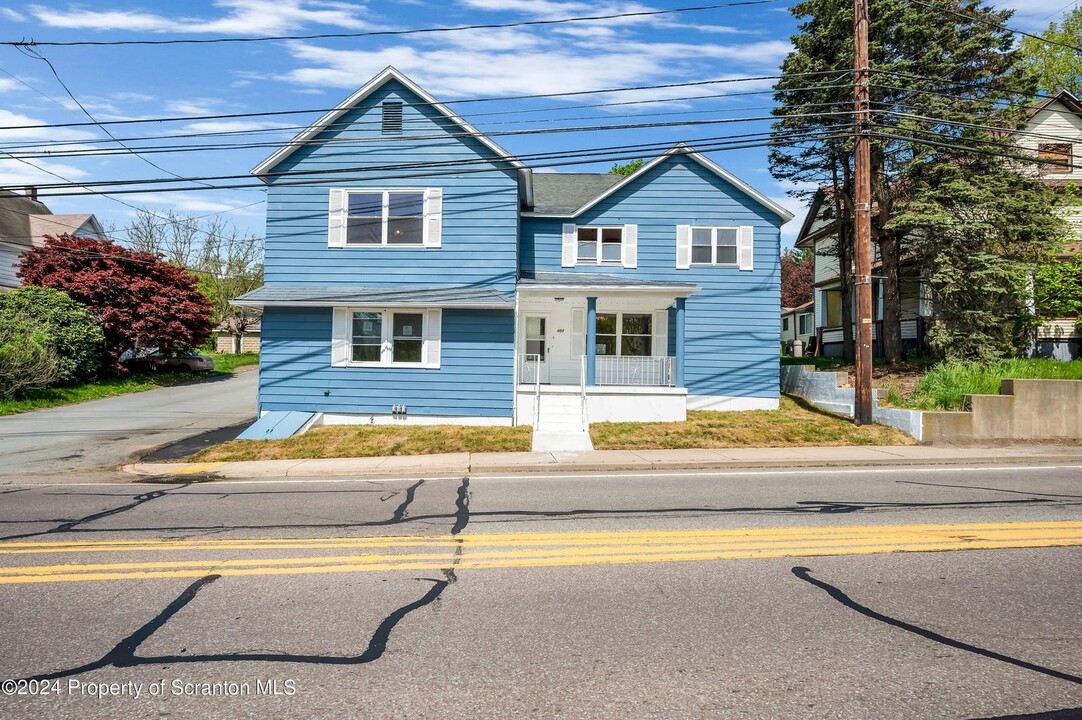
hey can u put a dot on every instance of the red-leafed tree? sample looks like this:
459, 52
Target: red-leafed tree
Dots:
139, 300
797, 276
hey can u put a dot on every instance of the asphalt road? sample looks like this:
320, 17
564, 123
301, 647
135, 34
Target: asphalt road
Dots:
751, 594
95, 437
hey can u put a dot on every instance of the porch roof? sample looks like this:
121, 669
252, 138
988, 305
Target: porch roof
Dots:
601, 282
325, 296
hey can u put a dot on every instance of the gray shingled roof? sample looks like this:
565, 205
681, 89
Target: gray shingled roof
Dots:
589, 280
564, 193
399, 296
15, 212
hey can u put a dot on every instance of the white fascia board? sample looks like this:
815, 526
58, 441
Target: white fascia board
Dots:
389, 73
685, 150
346, 303
599, 290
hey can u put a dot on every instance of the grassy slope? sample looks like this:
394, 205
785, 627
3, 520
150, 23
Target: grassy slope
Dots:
945, 386
56, 396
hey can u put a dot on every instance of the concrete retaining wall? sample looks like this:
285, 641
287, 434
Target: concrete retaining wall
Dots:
822, 390
1023, 410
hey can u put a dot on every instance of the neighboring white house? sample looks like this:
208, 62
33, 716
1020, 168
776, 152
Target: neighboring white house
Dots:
25, 222
797, 323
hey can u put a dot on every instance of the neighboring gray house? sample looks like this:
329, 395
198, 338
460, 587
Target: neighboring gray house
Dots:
25, 222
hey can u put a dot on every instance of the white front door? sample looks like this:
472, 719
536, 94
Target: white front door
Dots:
537, 348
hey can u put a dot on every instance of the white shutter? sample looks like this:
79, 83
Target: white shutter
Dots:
661, 333
683, 247
433, 335
340, 336
631, 246
433, 229
578, 332
745, 247
336, 219
570, 246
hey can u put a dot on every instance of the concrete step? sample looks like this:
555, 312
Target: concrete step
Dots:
562, 442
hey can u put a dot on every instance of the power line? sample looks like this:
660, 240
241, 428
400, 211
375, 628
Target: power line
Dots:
505, 98
616, 153
385, 33
990, 23
361, 141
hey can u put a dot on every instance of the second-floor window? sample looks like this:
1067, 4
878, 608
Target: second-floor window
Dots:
385, 218
713, 245
600, 245
1054, 158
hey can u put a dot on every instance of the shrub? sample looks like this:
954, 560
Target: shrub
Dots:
64, 325
27, 361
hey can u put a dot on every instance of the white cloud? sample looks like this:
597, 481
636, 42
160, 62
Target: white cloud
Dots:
34, 129
218, 126
17, 173
12, 15
7, 85
240, 17
194, 203
193, 106
1030, 15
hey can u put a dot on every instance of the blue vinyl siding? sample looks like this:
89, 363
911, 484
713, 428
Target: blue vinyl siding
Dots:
732, 330
480, 209
475, 377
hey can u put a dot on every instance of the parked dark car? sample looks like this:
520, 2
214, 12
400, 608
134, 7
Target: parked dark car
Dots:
177, 360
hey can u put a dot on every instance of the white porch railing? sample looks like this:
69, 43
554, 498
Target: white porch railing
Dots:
529, 369
640, 371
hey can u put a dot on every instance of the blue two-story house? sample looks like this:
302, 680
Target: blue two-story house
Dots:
416, 272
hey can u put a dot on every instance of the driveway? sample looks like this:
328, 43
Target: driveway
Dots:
73, 441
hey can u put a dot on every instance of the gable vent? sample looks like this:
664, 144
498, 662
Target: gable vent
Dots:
392, 118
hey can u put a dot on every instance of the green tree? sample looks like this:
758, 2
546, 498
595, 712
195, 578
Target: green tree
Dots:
1057, 67
1057, 289
61, 324
932, 69
627, 168
982, 231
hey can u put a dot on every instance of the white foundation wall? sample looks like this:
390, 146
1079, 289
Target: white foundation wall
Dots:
615, 404
342, 419
730, 403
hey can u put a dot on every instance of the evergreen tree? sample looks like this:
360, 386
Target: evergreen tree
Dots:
933, 74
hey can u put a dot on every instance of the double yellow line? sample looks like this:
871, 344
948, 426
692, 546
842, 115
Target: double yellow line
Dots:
514, 550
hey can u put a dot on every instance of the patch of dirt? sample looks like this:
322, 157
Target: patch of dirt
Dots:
902, 377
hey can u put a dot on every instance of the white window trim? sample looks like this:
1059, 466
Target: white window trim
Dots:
620, 333
598, 261
431, 337
713, 245
431, 218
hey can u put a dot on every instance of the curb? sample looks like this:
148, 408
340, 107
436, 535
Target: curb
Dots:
210, 472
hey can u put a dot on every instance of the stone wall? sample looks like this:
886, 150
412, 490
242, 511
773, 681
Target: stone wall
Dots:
826, 390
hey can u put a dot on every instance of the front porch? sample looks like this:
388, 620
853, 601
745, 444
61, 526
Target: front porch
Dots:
610, 346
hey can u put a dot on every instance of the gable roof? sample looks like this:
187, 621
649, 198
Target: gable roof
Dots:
1063, 97
15, 212
563, 193
55, 225
679, 149
389, 73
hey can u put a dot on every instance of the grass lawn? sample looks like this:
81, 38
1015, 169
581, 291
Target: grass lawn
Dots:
339, 441
793, 424
945, 386
108, 387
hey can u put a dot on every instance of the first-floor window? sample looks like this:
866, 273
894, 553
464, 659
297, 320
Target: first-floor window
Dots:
407, 340
386, 337
624, 334
804, 322
367, 340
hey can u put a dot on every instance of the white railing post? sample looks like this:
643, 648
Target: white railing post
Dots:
582, 386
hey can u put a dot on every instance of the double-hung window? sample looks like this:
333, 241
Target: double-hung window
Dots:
386, 338
804, 323
614, 245
624, 334
385, 218
714, 245
600, 245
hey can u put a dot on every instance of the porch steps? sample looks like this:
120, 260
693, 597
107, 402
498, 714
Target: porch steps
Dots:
559, 424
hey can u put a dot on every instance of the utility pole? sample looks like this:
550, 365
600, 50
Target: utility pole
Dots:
862, 201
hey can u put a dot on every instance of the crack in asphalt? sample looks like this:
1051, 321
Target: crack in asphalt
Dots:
804, 574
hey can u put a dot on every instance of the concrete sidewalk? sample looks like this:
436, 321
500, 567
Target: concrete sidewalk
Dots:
457, 464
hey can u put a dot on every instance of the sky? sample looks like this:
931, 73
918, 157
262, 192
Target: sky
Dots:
139, 82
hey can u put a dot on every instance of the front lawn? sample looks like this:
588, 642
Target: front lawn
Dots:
343, 441
793, 424
108, 387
